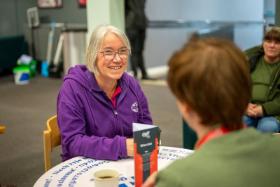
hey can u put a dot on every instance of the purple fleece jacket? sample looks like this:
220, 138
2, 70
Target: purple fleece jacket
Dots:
90, 126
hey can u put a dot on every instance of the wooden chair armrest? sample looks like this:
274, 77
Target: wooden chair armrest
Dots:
2, 129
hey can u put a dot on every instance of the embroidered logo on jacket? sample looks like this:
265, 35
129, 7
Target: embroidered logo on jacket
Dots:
134, 107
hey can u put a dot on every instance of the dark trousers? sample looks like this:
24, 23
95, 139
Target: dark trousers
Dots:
137, 42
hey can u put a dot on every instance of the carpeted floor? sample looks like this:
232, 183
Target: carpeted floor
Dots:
24, 110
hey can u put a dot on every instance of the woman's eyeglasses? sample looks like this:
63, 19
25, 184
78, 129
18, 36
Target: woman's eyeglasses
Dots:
111, 54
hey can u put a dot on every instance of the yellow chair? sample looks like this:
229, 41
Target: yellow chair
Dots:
52, 139
2, 129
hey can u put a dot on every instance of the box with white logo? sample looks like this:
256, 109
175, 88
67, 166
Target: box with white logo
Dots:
146, 138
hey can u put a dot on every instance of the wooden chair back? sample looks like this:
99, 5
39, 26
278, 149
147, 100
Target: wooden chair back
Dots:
51, 139
2, 129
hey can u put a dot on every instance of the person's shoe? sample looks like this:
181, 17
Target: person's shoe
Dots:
148, 78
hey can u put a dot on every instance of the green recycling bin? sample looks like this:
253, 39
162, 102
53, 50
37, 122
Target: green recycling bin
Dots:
21, 75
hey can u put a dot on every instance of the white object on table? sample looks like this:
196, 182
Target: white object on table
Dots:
78, 171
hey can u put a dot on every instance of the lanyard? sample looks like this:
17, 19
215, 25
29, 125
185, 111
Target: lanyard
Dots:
211, 135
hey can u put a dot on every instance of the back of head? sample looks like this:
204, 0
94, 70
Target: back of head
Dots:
212, 77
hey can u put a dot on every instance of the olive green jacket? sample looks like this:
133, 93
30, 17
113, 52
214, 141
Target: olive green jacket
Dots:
245, 158
272, 105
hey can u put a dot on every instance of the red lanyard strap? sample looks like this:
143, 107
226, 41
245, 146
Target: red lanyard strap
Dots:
211, 135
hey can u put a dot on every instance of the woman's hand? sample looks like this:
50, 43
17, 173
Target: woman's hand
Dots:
254, 110
258, 111
250, 110
130, 146
151, 180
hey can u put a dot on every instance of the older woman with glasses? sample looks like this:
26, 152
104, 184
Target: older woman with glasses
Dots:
98, 103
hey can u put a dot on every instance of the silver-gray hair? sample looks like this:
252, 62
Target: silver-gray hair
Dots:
96, 41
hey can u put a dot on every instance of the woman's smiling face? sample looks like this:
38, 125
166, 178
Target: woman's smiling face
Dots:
112, 58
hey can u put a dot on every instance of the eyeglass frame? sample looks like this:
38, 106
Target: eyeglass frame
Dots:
115, 53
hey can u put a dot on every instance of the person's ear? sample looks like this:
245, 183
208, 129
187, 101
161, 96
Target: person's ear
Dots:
184, 109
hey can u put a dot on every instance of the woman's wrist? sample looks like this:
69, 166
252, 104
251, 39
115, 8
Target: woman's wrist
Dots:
130, 146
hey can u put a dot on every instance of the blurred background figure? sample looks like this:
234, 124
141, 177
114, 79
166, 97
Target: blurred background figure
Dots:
263, 111
135, 26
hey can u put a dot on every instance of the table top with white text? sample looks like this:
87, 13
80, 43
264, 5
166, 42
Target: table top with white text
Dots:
78, 171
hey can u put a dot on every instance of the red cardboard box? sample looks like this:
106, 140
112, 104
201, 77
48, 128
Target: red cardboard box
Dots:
145, 151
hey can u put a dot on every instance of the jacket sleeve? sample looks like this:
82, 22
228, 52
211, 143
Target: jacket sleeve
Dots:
272, 108
253, 50
72, 124
166, 178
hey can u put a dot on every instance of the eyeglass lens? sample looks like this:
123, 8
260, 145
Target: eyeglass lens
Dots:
110, 54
